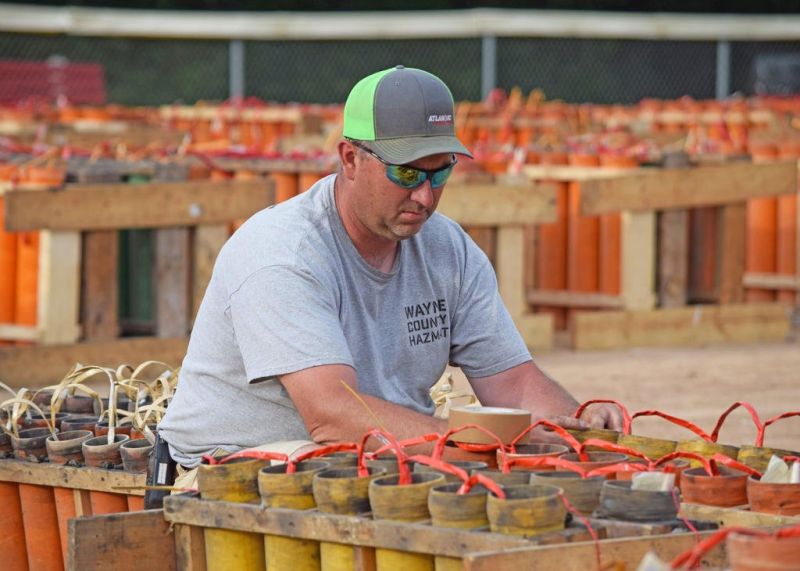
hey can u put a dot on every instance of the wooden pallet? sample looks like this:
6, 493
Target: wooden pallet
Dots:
654, 205
78, 479
84, 484
190, 221
78, 283
188, 516
737, 516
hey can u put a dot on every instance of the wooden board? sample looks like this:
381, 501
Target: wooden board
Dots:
731, 244
703, 286
536, 329
694, 325
94, 479
190, 548
729, 517
499, 204
125, 542
680, 188
99, 267
673, 257
771, 281
354, 530
574, 299
19, 332
264, 166
207, 241
59, 287
638, 267
100, 291
510, 271
153, 205
566, 173
39, 366
486, 239
172, 282
583, 556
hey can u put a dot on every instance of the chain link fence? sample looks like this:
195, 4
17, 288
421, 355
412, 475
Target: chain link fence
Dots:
162, 71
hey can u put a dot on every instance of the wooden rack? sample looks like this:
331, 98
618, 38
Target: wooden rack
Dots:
653, 203
78, 277
478, 549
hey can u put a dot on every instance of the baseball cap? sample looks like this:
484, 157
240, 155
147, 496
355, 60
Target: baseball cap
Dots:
402, 114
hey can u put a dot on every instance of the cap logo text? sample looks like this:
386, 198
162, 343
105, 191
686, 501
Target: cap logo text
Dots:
440, 119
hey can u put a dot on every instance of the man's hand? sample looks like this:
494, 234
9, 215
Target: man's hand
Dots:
603, 415
546, 435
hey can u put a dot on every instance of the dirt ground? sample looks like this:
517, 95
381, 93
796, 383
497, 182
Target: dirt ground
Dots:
692, 383
696, 384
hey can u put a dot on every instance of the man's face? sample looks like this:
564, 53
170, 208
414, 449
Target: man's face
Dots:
389, 210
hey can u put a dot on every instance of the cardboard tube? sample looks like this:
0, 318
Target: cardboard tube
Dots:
506, 423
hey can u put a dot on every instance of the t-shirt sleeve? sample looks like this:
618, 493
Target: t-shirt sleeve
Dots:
484, 339
284, 320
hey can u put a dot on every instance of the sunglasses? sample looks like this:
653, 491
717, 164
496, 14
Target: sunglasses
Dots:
412, 177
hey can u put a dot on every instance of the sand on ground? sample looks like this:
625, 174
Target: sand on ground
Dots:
696, 384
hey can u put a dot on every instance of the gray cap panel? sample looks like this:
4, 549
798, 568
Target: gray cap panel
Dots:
412, 103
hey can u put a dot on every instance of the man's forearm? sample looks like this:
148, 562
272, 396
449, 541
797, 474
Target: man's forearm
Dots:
527, 387
348, 420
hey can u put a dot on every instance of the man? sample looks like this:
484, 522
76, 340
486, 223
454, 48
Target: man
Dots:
356, 281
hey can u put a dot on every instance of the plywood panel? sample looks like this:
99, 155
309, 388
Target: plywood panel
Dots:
173, 282
679, 188
695, 325
499, 204
127, 542
38, 366
152, 205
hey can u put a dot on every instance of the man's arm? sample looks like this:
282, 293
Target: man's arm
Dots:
528, 387
332, 413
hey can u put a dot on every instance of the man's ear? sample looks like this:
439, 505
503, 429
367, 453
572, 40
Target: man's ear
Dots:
347, 156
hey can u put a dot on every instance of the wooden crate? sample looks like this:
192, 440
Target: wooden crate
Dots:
52, 496
81, 480
737, 516
188, 516
190, 219
79, 260
653, 203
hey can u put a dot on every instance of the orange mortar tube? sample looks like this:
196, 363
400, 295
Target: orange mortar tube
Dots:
551, 253
41, 528
8, 271
242, 175
65, 510
611, 234
269, 136
135, 503
583, 236
107, 503
285, 185
788, 237
525, 135
762, 231
307, 180
12, 532
8, 258
27, 278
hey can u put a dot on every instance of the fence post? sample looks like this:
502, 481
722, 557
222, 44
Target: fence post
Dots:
488, 65
236, 62
723, 69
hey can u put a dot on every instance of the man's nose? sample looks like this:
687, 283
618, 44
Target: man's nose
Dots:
423, 194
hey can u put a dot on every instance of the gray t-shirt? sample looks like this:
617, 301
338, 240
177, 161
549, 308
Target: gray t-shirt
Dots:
290, 291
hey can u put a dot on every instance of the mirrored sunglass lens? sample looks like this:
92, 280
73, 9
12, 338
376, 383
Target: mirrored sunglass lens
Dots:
405, 176
440, 177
